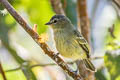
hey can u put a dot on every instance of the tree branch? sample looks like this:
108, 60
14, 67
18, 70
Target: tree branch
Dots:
117, 2
83, 21
2, 72
36, 38
36, 65
50, 64
111, 30
83, 24
57, 6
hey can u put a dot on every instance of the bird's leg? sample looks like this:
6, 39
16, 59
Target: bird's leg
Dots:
55, 55
77, 70
74, 67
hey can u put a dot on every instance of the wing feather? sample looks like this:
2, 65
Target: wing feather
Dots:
82, 42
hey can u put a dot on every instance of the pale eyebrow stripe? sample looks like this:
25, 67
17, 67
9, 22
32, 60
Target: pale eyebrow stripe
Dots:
54, 19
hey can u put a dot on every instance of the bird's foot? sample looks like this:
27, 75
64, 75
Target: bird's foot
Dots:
76, 71
55, 55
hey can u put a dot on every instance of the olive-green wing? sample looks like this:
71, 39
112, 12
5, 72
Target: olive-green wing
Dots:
82, 42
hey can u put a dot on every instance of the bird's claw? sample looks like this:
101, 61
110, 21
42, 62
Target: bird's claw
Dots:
55, 55
76, 71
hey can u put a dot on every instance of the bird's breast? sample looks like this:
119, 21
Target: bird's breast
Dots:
67, 45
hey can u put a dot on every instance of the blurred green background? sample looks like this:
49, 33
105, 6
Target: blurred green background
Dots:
18, 52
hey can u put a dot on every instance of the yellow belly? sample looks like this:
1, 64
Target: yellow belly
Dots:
70, 49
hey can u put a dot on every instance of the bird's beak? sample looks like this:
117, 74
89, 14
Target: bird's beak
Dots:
49, 23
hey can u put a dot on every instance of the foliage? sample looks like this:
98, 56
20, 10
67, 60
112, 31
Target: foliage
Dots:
38, 14
112, 57
113, 66
99, 75
18, 75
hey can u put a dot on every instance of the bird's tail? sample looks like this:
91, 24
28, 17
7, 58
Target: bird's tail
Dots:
89, 65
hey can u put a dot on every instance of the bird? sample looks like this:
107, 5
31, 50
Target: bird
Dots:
69, 41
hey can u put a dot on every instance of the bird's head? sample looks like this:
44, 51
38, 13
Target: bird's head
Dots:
58, 21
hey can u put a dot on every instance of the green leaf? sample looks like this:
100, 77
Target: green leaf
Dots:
39, 12
112, 62
99, 75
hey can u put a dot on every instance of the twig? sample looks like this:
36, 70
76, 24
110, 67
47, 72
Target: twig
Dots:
35, 37
117, 2
116, 5
36, 65
13, 69
57, 6
2, 72
111, 30
97, 57
50, 64
20, 61
83, 24
83, 21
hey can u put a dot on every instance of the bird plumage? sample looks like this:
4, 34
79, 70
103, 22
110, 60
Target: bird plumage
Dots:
69, 42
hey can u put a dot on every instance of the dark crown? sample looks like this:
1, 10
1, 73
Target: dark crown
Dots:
58, 16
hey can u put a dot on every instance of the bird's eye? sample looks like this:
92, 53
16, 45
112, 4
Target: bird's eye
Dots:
54, 21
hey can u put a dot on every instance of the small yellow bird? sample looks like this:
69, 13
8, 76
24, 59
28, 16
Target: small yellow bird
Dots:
69, 42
